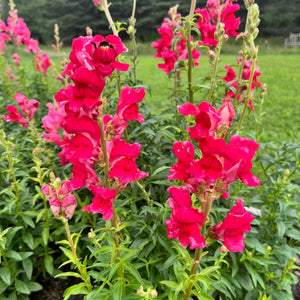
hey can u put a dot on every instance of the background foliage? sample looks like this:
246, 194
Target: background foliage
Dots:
278, 18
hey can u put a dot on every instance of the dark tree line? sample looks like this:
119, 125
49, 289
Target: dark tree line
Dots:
73, 16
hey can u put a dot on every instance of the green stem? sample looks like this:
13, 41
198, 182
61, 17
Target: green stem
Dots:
149, 201
103, 146
193, 272
132, 36
81, 269
241, 67
11, 170
247, 98
207, 210
189, 48
117, 255
259, 121
214, 74
35, 134
109, 18
176, 85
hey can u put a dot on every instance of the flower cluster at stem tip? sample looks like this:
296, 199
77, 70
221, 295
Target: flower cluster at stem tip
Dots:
90, 140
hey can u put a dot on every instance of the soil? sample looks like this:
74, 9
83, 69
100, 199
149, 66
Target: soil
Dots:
53, 289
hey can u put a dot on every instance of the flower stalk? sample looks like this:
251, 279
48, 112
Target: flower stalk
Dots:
11, 170
77, 262
189, 48
247, 97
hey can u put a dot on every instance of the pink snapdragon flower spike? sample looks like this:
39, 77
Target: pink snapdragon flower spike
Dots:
231, 231
62, 202
42, 63
102, 202
15, 116
217, 11
28, 107
3, 38
16, 59
186, 221
32, 46
231, 80
164, 45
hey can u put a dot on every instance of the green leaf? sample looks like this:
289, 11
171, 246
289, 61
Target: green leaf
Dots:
28, 267
117, 290
34, 286
67, 252
77, 289
133, 271
21, 287
245, 281
3, 287
66, 274
14, 255
5, 275
28, 221
28, 239
158, 170
48, 262
281, 228
45, 235
170, 284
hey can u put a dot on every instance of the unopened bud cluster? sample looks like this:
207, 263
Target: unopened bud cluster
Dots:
152, 293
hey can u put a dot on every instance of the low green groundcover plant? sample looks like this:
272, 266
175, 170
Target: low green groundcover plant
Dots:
136, 205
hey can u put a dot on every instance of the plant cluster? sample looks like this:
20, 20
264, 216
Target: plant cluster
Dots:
135, 205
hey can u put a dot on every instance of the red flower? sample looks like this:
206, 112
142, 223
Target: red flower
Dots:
16, 59
28, 108
97, 53
184, 151
14, 115
186, 221
87, 90
208, 120
42, 63
127, 107
237, 160
103, 201
122, 161
232, 23
231, 231
207, 29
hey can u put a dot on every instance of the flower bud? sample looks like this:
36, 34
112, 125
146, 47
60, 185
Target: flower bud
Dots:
46, 189
57, 183
89, 31
153, 293
223, 249
52, 177
211, 55
91, 235
140, 291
